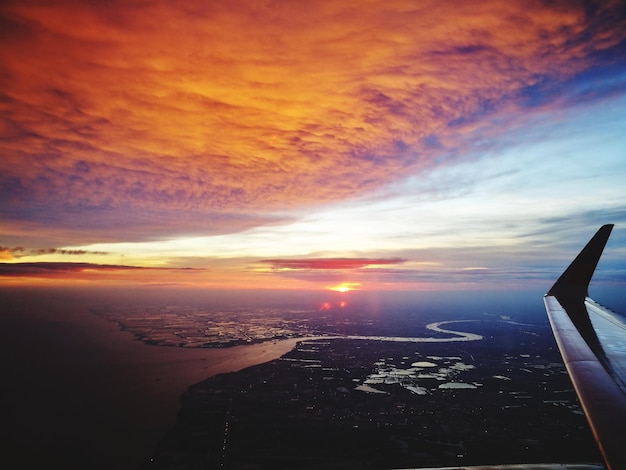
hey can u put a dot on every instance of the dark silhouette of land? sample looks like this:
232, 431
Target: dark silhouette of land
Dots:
365, 404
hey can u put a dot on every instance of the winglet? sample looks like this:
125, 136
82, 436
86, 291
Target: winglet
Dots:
574, 282
571, 288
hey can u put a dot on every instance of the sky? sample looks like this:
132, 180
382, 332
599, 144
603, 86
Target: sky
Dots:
372, 145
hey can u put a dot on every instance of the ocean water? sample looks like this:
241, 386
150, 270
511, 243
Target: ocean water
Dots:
78, 392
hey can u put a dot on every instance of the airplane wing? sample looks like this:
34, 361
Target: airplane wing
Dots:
592, 342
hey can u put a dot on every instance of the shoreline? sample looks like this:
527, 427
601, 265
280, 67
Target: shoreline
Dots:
85, 394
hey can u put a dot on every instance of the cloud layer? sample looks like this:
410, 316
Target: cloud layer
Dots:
72, 272
137, 121
329, 263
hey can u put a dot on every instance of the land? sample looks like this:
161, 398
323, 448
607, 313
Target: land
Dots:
193, 326
366, 404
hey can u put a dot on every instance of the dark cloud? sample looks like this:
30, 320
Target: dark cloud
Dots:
21, 251
58, 251
50, 269
47, 268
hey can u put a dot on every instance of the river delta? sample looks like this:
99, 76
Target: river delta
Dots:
482, 390
95, 383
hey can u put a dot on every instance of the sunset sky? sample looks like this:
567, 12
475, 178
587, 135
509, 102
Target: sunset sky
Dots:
310, 144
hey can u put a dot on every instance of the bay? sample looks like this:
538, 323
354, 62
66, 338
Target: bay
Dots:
81, 393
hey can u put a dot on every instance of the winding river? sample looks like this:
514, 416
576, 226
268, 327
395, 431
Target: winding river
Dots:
457, 335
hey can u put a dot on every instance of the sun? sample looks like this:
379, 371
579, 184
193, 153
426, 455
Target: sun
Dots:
344, 287
341, 289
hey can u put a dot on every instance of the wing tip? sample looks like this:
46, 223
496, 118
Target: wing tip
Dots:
576, 278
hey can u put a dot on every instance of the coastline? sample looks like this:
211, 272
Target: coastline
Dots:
85, 394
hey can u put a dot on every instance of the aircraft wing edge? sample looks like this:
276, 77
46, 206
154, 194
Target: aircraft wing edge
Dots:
600, 395
601, 398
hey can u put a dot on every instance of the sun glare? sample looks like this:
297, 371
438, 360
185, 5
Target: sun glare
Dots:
344, 287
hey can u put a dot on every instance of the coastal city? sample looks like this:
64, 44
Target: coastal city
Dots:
376, 404
355, 394
190, 326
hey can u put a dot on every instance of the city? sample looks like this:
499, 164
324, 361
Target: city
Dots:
374, 404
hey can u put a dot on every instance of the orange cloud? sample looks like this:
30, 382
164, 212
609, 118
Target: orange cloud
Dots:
5, 253
166, 118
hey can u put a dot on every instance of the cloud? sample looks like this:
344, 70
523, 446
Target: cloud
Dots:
45, 268
20, 251
65, 270
329, 263
59, 251
85, 225
428, 277
5, 253
52, 251
131, 120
